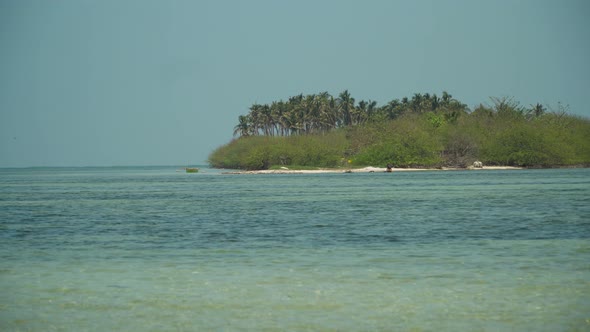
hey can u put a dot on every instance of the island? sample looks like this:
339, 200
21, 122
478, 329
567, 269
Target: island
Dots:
320, 132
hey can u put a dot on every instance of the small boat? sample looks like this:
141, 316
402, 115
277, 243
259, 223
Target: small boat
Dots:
191, 170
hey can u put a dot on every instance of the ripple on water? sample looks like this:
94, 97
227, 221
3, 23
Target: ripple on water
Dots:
145, 249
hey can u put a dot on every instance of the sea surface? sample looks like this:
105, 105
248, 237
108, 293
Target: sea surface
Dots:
156, 249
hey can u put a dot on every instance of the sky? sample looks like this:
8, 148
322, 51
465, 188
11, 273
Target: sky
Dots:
162, 82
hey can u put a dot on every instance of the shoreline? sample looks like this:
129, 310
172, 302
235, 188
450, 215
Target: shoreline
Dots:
369, 169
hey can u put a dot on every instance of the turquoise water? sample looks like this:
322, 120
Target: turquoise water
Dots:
153, 249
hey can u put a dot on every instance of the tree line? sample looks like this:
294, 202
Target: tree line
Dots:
322, 112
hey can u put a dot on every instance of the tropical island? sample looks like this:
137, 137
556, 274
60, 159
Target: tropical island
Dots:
320, 131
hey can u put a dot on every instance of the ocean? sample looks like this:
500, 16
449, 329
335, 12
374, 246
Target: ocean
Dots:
155, 249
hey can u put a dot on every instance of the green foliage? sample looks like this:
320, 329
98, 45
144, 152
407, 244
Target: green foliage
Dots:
543, 142
461, 142
422, 131
435, 120
405, 142
519, 146
261, 152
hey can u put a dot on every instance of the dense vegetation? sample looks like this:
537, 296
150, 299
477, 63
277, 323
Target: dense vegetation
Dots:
423, 131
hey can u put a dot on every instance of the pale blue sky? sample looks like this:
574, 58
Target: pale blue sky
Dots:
141, 82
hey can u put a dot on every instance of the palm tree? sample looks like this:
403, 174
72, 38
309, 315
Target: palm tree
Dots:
279, 111
446, 98
426, 103
243, 126
345, 107
364, 111
311, 114
371, 109
393, 109
275, 116
405, 106
435, 102
416, 103
255, 119
266, 120
326, 112
293, 122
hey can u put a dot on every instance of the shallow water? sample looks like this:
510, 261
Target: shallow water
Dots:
152, 249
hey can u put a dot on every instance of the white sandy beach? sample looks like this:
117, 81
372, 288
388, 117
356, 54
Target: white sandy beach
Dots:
368, 169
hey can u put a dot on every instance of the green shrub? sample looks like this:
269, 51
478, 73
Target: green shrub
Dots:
496, 137
261, 152
525, 144
408, 141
